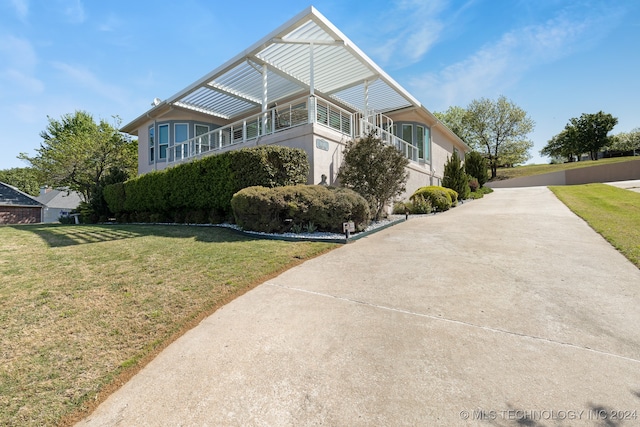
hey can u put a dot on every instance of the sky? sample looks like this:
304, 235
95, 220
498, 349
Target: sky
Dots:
556, 59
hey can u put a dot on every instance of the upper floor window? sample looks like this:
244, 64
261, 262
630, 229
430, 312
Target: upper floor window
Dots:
181, 134
152, 144
163, 141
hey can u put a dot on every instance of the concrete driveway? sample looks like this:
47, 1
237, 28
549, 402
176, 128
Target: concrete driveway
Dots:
505, 311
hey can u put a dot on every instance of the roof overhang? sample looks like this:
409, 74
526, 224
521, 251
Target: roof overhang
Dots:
307, 54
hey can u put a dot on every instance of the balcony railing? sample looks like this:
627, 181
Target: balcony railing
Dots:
293, 114
410, 151
276, 119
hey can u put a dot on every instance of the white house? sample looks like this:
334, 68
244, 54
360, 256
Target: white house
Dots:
57, 203
305, 85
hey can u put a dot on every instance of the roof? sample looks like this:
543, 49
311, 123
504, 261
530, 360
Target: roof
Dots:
60, 199
341, 71
11, 196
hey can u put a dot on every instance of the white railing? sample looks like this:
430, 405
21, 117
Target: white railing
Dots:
410, 151
330, 115
273, 120
296, 113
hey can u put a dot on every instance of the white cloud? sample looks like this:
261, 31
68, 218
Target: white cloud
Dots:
19, 61
411, 28
74, 11
112, 23
22, 8
501, 64
85, 78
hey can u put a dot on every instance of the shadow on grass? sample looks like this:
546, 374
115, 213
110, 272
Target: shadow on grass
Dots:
57, 235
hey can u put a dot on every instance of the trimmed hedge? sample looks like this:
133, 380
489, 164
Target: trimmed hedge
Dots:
201, 190
282, 209
439, 197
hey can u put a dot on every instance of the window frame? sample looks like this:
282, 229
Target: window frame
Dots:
163, 146
152, 143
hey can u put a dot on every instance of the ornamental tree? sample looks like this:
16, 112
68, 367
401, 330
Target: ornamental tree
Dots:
374, 170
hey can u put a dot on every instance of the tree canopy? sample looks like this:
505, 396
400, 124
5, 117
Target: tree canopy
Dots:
24, 179
626, 141
585, 134
78, 153
374, 170
497, 129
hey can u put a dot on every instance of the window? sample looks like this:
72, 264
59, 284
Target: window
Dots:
163, 141
181, 134
420, 141
427, 144
407, 136
152, 144
202, 143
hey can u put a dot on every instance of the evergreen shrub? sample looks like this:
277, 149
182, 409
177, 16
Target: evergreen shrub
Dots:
281, 209
201, 190
438, 197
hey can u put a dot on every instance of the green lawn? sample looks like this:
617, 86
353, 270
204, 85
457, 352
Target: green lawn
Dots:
84, 307
612, 212
519, 171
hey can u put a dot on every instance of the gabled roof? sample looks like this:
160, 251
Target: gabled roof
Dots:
341, 71
11, 196
60, 199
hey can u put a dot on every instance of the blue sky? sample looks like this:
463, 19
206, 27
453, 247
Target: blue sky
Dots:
555, 59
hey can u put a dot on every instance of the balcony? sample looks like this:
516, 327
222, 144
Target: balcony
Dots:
280, 118
276, 119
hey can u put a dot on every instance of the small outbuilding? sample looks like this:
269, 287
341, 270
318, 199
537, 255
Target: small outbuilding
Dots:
17, 207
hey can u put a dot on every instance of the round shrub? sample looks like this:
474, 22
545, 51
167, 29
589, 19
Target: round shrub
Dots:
280, 209
454, 196
439, 197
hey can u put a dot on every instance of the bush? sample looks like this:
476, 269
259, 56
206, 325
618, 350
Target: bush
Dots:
455, 178
296, 207
454, 196
480, 192
473, 184
201, 190
375, 170
419, 205
476, 166
438, 197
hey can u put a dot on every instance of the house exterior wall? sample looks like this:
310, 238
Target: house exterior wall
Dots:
171, 117
324, 146
20, 215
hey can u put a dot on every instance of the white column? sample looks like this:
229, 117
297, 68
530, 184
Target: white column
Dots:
366, 101
264, 100
312, 101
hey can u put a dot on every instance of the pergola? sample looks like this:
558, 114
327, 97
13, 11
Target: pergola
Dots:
307, 55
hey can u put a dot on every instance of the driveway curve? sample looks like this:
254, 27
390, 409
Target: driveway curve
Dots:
505, 311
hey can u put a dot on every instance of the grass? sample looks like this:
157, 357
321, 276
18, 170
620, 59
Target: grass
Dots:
82, 308
520, 171
613, 212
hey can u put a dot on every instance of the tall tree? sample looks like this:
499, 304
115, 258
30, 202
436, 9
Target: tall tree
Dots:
374, 170
455, 118
24, 179
77, 152
562, 145
591, 132
499, 129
